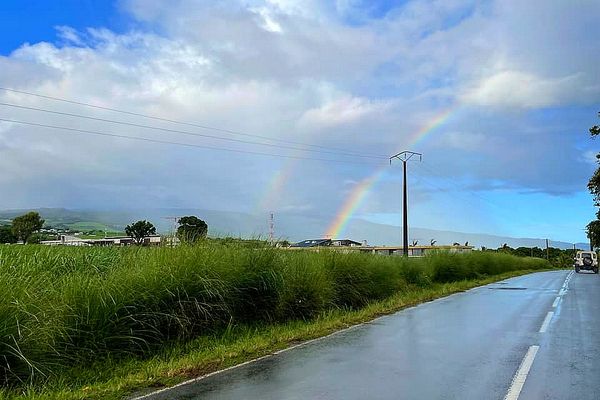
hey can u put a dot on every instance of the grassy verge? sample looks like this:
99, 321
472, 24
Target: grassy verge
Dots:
155, 317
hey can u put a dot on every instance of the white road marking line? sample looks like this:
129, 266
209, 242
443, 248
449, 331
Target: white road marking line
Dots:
199, 378
519, 380
565, 286
546, 321
202, 377
555, 304
145, 396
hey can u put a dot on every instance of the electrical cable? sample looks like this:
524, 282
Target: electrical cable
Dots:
181, 132
145, 139
173, 121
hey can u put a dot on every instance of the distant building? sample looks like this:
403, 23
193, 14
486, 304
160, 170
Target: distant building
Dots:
313, 243
345, 242
347, 245
415, 251
66, 240
153, 240
326, 243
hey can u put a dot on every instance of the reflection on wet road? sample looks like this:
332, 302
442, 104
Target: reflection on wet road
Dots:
467, 346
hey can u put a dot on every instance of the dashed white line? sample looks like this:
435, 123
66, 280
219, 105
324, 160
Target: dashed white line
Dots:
546, 321
556, 301
519, 380
565, 286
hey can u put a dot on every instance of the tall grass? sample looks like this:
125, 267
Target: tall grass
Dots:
62, 307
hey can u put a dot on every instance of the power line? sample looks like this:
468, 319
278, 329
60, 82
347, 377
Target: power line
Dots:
173, 121
145, 139
181, 132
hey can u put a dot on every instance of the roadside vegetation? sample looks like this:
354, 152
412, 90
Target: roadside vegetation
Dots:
558, 258
136, 308
593, 228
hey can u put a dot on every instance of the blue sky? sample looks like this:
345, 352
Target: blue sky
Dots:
35, 20
513, 158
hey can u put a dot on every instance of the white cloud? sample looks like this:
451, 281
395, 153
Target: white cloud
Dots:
269, 22
466, 141
69, 35
590, 158
345, 110
298, 71
519, 89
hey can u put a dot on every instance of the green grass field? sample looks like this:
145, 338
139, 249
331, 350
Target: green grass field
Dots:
75, 317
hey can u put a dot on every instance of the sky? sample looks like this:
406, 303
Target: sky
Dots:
296, 106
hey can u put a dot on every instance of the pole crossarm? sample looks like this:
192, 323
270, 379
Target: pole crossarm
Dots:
406, 155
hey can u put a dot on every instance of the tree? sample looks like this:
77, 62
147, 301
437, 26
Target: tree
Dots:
36, 238
593, 228
6, 235
595, 130
593, 233
24, 225
594, 182
191, 229
140, 230
505, 249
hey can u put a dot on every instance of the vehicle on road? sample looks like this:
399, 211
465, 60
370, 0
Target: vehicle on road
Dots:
586, 260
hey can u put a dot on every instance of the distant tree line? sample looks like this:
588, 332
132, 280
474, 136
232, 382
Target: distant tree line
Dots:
556, 256
25, 228
190, 229
593, 228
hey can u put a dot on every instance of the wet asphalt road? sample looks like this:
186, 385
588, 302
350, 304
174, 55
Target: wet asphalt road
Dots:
466, 346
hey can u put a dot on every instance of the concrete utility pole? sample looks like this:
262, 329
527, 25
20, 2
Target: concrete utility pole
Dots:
405, 156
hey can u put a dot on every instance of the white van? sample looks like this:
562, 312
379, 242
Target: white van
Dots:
587, 260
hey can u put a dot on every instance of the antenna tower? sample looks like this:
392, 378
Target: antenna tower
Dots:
271, 227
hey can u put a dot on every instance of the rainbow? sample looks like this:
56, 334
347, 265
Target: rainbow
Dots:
275, 187
360, 191
353, 201
426, 130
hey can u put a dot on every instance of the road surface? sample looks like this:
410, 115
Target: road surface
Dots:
530, 337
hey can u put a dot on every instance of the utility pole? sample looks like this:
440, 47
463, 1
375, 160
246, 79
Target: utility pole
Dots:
405, 156
547, 250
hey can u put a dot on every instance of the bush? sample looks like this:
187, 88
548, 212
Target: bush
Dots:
258, 282
360, 278
416, 273
455, 267
65, 306
307, 290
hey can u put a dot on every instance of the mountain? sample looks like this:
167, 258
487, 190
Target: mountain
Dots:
287, 226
